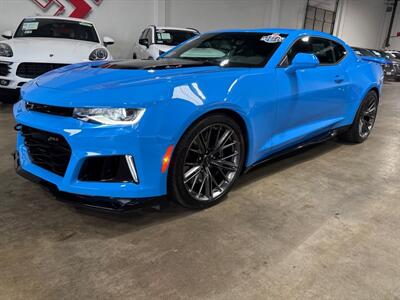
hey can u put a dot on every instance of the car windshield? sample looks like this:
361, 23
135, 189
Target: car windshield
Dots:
396, 54
363, 52
377, 53
231, 49
54, 28
171, 37
390, 55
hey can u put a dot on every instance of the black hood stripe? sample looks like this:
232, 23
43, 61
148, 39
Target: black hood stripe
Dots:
147, 64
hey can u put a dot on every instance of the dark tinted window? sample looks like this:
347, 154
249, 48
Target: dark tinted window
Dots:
231, 49
143, 35
53, 28
363, 52
327, 51
173, 37
339, 51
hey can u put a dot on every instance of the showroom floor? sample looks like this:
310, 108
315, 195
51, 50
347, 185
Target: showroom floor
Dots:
320, 224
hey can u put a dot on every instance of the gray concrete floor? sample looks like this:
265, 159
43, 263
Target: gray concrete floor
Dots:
322, 224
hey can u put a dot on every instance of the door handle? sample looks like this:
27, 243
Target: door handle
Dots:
339, 79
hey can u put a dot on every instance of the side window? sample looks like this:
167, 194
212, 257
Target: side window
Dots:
149, 35
143, 35
301, 46
323, 49
327, 51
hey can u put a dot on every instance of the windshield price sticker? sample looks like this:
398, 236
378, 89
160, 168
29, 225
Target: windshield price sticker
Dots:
272, 38
165, 36
29, 26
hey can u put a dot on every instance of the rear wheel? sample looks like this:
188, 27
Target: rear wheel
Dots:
134, 56
364, 120
206, 162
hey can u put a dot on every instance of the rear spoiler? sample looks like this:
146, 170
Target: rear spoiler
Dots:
378, 60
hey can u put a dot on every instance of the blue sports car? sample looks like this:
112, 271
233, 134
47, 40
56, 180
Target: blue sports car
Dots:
188, 124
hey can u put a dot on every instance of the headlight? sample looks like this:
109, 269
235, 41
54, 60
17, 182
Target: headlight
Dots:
98, 54
5, 50
109, 116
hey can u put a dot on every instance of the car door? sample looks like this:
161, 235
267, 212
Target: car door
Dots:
310, 101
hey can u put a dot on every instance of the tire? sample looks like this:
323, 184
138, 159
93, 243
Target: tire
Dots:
206, 162
364, 121
134, 56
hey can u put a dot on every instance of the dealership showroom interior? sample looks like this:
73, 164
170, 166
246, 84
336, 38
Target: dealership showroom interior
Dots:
199, 149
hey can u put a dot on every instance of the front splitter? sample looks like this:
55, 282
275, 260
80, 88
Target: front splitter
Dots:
110, 204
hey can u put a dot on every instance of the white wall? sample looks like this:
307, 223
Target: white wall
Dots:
395, 41
360, 22
125, 19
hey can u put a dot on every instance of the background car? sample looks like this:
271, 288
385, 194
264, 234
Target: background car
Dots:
395, 53
375, 56
155, 41
187, 124
392, 68
41, 44
394, 71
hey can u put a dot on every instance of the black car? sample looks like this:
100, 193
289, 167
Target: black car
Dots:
375, 56
391, 70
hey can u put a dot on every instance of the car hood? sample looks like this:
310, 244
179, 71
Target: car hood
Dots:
163, 48
122, 82
65, 51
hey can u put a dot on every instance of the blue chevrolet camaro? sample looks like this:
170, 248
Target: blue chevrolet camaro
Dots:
188, 124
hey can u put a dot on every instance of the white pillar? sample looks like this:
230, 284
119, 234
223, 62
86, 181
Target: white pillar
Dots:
274, 14
159, 12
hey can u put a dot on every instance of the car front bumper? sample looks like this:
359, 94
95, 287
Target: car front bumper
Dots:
92, 140
109, 204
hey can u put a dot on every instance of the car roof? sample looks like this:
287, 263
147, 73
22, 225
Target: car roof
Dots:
58, 18
288, 31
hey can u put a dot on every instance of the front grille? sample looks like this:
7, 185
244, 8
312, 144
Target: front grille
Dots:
47, 150
5, 69
33, 70
388, 68
49, 109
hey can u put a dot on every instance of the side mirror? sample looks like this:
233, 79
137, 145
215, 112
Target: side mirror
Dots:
144, 42
7, 34
303, 61
108, 41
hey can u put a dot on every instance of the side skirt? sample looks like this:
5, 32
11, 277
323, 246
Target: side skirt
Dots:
314, 140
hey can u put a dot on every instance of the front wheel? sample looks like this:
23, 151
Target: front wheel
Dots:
206, 162
364, 120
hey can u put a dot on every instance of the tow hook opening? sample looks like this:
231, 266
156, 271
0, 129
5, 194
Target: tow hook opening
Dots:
18, 127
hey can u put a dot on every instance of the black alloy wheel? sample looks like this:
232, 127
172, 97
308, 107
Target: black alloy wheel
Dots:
364, 121
207, 161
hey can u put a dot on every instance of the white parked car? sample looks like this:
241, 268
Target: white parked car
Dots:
41, 44
155, 40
